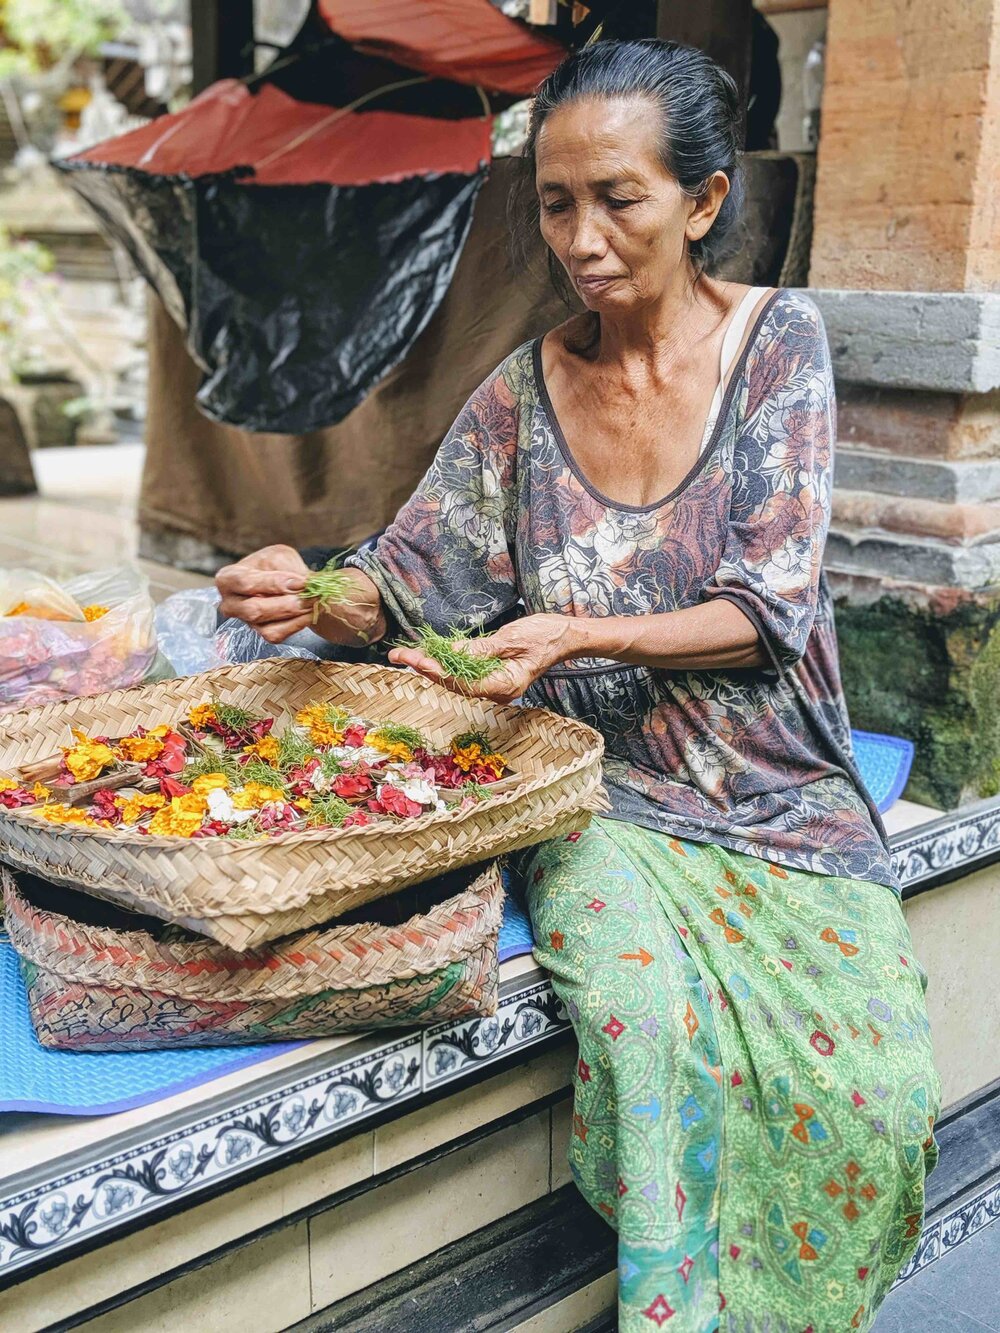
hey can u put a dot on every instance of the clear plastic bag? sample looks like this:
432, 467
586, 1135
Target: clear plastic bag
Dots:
192, 639
43, 659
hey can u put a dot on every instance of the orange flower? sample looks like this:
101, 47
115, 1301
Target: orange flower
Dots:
201, 714
40, 791
94, 612
88, 759
209, 782
134, 807
67, 814
266, 748
466, 757
496, 763
140, 749
323, 729
181, 818
394, 749
256, 794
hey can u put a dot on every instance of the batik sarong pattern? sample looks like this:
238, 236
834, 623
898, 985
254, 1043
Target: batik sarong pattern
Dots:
755, 1093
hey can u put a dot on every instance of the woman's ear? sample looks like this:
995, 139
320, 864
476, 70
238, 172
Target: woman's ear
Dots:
705, 209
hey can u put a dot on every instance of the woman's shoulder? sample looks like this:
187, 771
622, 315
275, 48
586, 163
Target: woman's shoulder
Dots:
792, 312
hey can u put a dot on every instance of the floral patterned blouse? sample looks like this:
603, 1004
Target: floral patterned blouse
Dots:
754, 760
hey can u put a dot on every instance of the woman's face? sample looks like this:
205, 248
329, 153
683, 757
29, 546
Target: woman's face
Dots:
615, 218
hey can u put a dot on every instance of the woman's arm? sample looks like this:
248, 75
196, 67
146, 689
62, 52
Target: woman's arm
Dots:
759, 605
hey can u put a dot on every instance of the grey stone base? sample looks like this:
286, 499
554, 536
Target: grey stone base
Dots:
949, 341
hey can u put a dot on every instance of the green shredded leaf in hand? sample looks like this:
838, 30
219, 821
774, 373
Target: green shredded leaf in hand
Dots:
463, 666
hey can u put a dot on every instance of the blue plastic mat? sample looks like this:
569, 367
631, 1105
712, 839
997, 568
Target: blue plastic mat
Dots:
884, 763
100, 1083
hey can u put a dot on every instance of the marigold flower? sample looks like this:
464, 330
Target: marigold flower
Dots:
322, 731
303, 803
134, 807
210, 782
140, 749
201, 715
266, 748
87, 759
393, 749
67, 814
256, 794
181, 818
467, 756
94, 612
40, 791
8, 784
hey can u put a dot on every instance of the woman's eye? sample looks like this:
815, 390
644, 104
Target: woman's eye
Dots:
555, 208
619, 204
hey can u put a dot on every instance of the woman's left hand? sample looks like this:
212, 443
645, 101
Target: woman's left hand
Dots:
528, 647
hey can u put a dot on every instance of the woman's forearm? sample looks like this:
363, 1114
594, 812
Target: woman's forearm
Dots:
358, 619
714, 635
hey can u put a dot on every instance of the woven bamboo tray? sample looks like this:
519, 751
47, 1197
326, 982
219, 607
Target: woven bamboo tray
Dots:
242, 893
99, 988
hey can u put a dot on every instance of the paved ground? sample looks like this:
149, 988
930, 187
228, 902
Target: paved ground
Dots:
958, 1294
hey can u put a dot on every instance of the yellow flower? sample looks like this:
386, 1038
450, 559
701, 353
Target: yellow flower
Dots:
210, 782
266, 748
67, 814
40, 791
182, 817
496, 763
201, 714
87, 759
94, 612
467, 756
394, 749
321, 730
256, 794
134, 807
303, 803
140, 749
8, 784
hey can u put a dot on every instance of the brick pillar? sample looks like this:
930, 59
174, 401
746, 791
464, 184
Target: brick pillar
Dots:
906, 267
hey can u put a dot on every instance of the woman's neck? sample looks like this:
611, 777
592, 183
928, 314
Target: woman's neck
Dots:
659, 334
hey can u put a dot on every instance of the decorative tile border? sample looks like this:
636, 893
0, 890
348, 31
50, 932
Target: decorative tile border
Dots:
47, 1220
960, 841
947, 1232
112, 1193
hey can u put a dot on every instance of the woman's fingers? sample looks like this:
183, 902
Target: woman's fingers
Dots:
419, 661
245, 581
280, 630
260, 611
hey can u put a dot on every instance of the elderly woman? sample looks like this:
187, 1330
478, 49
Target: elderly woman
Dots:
649, 484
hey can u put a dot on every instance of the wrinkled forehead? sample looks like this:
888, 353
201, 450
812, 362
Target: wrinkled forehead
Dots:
597, 140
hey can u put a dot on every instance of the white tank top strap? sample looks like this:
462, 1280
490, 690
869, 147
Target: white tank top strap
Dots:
730, 347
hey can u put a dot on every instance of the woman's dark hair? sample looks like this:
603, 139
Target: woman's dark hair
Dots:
700, 131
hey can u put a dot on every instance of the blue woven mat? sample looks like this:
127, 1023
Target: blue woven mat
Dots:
884, 763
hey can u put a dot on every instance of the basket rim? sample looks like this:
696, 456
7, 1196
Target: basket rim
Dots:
214, 977
219, 845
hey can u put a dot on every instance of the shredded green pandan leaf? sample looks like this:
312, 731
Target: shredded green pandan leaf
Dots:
327, 811
248, 831
293, 749
398, 733
463, 666
212, 762
467, 738
328, 587
475, 789
235, 719
330, 766
256, 770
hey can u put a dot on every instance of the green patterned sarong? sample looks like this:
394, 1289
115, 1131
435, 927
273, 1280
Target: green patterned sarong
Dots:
755, 1092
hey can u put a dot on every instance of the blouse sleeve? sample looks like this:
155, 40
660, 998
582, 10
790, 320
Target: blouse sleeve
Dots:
446, 559
782, 462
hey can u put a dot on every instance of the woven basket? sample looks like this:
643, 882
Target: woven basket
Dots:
243, 893
103, 988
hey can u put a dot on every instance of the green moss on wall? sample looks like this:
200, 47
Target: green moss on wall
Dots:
934, 679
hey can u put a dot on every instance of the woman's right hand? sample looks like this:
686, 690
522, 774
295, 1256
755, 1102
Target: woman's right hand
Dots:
265, 590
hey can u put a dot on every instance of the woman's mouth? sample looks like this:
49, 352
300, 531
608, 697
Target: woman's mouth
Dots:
595, 283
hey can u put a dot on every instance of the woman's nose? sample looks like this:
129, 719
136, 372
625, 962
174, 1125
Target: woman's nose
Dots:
588, 239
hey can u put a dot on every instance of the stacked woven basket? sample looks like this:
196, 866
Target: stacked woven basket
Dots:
249, 953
